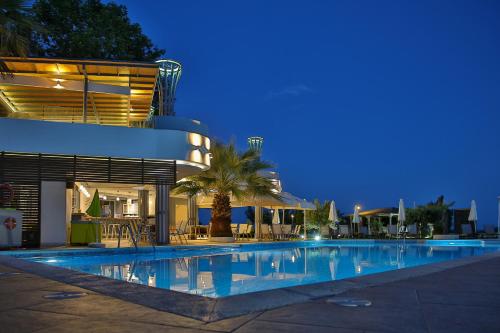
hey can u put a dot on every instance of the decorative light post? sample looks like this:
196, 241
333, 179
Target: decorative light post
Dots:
169, 74
255, 143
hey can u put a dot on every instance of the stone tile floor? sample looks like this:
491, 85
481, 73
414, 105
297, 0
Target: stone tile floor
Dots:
459, 299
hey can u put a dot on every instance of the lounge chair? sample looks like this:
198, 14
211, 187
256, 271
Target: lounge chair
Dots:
411, 231
392, 231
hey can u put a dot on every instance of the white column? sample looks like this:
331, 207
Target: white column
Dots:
53, 213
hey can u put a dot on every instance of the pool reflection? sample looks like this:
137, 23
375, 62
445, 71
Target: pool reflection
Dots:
236, 273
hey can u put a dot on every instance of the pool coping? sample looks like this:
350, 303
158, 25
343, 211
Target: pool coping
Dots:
213, 309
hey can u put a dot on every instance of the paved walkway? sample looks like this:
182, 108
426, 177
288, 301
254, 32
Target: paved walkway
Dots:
461, 299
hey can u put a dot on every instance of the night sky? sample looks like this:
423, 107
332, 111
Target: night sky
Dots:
358, 101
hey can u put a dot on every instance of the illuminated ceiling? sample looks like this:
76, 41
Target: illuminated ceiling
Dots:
119, 93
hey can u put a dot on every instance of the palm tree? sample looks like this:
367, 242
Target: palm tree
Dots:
15, 28
231, 173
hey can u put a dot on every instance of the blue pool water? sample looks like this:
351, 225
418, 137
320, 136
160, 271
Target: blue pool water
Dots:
231, 270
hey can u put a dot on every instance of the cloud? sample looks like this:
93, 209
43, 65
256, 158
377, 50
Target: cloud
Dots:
294, 90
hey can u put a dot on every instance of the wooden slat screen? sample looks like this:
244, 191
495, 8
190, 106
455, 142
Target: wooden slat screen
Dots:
24, 172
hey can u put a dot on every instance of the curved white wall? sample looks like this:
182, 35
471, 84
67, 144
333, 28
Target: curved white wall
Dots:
33, 136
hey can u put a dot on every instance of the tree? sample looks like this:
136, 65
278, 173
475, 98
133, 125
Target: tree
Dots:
435, 213
230, 173
15, 30
319, 216
89, 29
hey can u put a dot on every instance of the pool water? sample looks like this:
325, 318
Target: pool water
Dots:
224, 271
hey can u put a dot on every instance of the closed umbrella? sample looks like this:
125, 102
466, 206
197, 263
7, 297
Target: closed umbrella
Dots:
355, 218
276, 217
401, 214
94, 210
473, 214
332, 216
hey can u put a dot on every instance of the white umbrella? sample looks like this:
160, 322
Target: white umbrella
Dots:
332, 215
473, 214
276, 217
401, 213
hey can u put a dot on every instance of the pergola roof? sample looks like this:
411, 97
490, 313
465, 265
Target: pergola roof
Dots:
378, 212
119, 92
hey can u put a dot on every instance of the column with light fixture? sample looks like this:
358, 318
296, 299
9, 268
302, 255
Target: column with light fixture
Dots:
162, 214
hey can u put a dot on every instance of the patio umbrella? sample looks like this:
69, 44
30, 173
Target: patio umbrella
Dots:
401, 213
473, 214
332, 215
94, 210
355, 219
276, 217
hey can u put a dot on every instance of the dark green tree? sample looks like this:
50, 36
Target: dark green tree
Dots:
15, 30
89, 29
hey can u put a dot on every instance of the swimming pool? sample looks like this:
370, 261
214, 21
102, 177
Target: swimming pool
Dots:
219, 271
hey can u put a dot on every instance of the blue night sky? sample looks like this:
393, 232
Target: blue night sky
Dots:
358, 101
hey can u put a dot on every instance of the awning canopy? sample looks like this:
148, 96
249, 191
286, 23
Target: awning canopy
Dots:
287, 201
52, 89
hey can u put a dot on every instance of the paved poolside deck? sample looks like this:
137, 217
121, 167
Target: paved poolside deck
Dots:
463, 298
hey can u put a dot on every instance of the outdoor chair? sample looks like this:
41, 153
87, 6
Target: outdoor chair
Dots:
242, 230
392, 231
265, 231
296, 231
180, 232
287, 231
234, 229
411, 230
250, 230
466, 231
344, 231
277, 231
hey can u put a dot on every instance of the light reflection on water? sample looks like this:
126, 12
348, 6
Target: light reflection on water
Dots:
242, 272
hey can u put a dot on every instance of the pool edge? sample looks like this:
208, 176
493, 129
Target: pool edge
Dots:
211, 309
